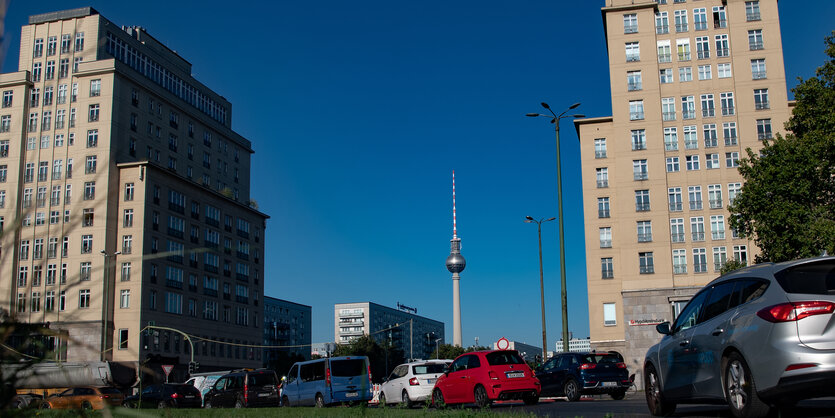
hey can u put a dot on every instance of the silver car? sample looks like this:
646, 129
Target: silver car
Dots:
756, 338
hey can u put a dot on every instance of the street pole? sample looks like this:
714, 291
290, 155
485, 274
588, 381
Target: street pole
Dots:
563, 292
529, 219
411, 341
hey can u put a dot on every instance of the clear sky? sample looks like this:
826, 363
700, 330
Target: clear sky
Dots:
359, 111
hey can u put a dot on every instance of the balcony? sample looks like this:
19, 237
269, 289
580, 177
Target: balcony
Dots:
675, 207
210, 292
677, 237
242, 255
630, 29
709, 112
764, 135
679, 269
730, 141
762, 105
758, 75
723, 52
636, 115
176, 284
633, 57
641, 175
662, 58
212, 222
669, 116
696, 205
716, 203
681, 27
688, 114
728, 111
647, 269
720, 23
606, 243
711, 142
601, 184
698, 236
662, 29
703, 55
642, 207
607, 274
600, 154
701, 25
603, 213
700, 268
717, 235
755, 45
634, 86
644, 237
241, 299
242, 277
752, 16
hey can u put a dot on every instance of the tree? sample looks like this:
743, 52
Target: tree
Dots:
787, 204
381, 359
731, 265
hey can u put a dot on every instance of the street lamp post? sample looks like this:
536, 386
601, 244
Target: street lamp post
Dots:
529, 219
555, 119
105, 312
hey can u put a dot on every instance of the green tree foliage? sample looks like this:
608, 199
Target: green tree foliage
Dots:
787, 204
731, 265
382, 358
450, 352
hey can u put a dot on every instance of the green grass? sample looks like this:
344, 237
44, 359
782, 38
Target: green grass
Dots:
357, 411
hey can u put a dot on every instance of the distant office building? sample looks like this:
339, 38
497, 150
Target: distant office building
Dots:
125, 201
693, 85
575, 345
287, 325
352, 320
322, 349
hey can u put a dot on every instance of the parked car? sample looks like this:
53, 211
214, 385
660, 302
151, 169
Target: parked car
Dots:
328, 381
412, 382
166, 395
204, 381
755, 338
482, 377
84, 397
575, 374
26, 401
244, 389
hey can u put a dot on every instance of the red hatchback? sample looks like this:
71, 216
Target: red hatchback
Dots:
482, 377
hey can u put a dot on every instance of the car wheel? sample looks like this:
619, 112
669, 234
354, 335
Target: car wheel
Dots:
285, 401
86, 405
618, 395
531, 400
571, 390
162, 405
320, 400
438, 399
239, 403
740, 389
382, 399
655, 399
481, 398
46, 405
207, 405
406, 400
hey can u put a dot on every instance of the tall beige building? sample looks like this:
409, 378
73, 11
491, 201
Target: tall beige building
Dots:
125, 200
694, 83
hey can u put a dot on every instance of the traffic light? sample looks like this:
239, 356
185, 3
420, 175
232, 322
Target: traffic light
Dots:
192, 367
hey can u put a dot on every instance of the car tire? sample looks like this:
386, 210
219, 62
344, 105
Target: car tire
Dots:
658, 406
86, 405
382, 399
239, 404
740, 389
405, 399
46, 405
285, 401
619, 395
207, 405
481, 398
571, 390
162, 405
438, 399
531, 400
320, 400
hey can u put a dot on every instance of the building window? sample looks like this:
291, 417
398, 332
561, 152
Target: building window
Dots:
668, 108
712, 161
763, 129
84, 298
697, 228
677, 229
723, 70
92, 138
93, 113
644, 231
708, 106
126, 272
128, 218
755, 39
642, 200
673, 164
666, 75
89, 189
79, 41
670, 139
679, 261
741, 254
639, 139
127, 244
602, 207
664, 51
600, 148
729, 133
758, 71
717, 227
674, 199
86, 244
761, 99
688, 107
90, 164
639, 170
692, 162
680, 17
95, 88
646, 263
606, 237
722, 48
727, 102
124, 299
700, 260
694, 194
703, 47
602, 177
633, 80
609, 315
685, 74
662, 23
607, 269
633, 52
709, 133
705, 72
683, 49
630, 23
732, 159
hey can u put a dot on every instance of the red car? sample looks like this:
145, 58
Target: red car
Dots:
482, 377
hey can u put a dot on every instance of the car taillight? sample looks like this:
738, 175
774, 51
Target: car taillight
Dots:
327, 377
492, 375
175, 395
368, 367
587, 366
620, 365
246, 393
414, 381
533, 373
795, 311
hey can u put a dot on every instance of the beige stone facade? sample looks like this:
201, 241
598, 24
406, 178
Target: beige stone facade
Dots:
694, 83
125, 200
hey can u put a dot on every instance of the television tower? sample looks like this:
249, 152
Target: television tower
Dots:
455, 263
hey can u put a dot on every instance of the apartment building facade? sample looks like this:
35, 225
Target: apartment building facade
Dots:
125, 200
694, 83
287, 329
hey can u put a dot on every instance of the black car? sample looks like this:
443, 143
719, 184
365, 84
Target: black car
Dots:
244, 389
166, 395
575, 374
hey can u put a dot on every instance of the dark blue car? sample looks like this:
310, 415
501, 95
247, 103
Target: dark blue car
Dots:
575, 374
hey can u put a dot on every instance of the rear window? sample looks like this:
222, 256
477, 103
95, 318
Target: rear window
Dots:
109, 390
602, 358
261, 379
498, 358
811, 278
347, 368
428, 368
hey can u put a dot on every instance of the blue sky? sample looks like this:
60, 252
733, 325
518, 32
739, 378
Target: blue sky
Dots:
358, 113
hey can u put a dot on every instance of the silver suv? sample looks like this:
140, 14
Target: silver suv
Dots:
758, 337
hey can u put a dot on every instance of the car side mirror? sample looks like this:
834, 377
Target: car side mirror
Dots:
283, 379
663, 328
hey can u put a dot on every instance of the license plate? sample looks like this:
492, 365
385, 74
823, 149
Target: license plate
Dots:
189, 396
261, 395
609, 384
351, 395
430, 381
515, 374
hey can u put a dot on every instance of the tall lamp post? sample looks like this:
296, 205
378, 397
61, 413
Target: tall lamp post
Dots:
529, 219
105, 312
555, 119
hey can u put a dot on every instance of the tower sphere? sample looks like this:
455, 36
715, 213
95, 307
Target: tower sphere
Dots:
455, 263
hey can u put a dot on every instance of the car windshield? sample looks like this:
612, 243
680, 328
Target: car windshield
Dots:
347, 368
498, 358
602, 359
261, 379
811, 278
428, 368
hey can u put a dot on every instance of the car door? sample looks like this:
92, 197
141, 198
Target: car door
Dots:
62, 400
215, 394
395, 383
452, 385
710, 337
545, 373
562, 371
676, 357
290, 387
149, 396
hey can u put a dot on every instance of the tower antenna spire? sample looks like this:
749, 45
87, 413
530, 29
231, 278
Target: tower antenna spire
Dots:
455, 263
454, 227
